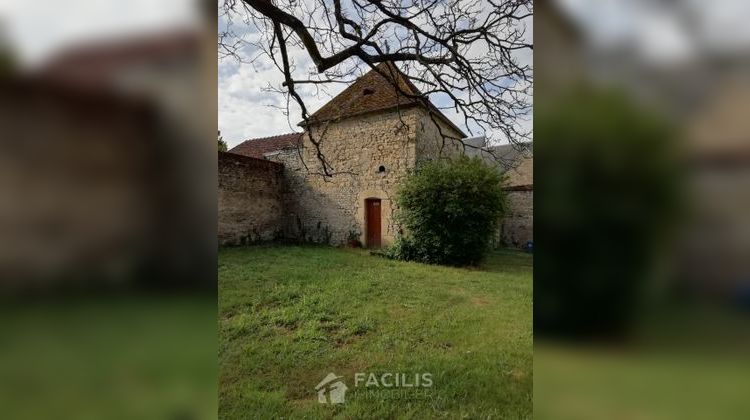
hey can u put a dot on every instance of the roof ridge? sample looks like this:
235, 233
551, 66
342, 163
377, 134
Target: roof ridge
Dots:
273, 137
258, 147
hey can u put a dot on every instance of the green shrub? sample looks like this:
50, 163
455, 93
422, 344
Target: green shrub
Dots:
449, 211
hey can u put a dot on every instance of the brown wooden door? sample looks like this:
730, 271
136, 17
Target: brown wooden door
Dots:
372, 216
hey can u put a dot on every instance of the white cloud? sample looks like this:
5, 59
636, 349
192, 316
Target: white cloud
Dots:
722, 24
246, 108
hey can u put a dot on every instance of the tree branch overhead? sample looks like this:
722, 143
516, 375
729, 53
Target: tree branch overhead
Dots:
472, 57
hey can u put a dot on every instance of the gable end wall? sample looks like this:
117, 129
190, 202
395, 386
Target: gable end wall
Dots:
331, 210
429, 142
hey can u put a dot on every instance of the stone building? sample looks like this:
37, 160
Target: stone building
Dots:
370, 136
517, 227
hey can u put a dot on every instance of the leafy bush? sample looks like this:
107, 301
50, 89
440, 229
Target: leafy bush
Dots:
449, 211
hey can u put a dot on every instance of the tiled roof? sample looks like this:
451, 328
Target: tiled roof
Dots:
512, 152
259, 146
374, 92
371, 92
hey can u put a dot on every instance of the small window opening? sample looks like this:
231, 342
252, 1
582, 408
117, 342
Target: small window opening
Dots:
381, 169
368, 91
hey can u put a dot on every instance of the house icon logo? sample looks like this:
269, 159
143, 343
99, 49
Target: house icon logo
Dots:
331, 390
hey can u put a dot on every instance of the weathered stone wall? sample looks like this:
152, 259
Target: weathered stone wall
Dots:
299, 202
331, 209
517, 227
521, 174
712, 254
251, 193
430, 143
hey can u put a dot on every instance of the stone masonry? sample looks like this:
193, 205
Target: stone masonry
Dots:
250, 200
517, 227
370, 155
370, 141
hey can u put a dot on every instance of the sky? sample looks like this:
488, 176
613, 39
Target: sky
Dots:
37, 29
248, 110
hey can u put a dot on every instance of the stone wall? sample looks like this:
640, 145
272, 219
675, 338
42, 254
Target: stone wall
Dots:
251, 193
517, 227
430, 143
521, 175
369, 155
289, 196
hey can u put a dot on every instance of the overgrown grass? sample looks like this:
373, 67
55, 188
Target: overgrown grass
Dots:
290, 315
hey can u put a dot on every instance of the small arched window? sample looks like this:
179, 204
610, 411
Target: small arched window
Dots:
381, 169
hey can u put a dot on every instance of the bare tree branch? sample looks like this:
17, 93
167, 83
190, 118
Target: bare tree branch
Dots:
470, 56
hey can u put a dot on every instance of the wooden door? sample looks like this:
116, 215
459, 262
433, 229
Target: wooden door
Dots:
372, 216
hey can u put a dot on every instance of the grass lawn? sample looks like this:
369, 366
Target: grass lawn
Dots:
290, 315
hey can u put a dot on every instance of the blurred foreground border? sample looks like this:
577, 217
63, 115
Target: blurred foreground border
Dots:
642, 217
108, 211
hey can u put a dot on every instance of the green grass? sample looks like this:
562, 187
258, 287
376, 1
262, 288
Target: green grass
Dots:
290, 315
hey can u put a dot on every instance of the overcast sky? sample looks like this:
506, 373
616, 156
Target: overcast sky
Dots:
248, 110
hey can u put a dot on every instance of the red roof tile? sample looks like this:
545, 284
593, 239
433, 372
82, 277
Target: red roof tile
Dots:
259, 146
371, 92
375, 92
